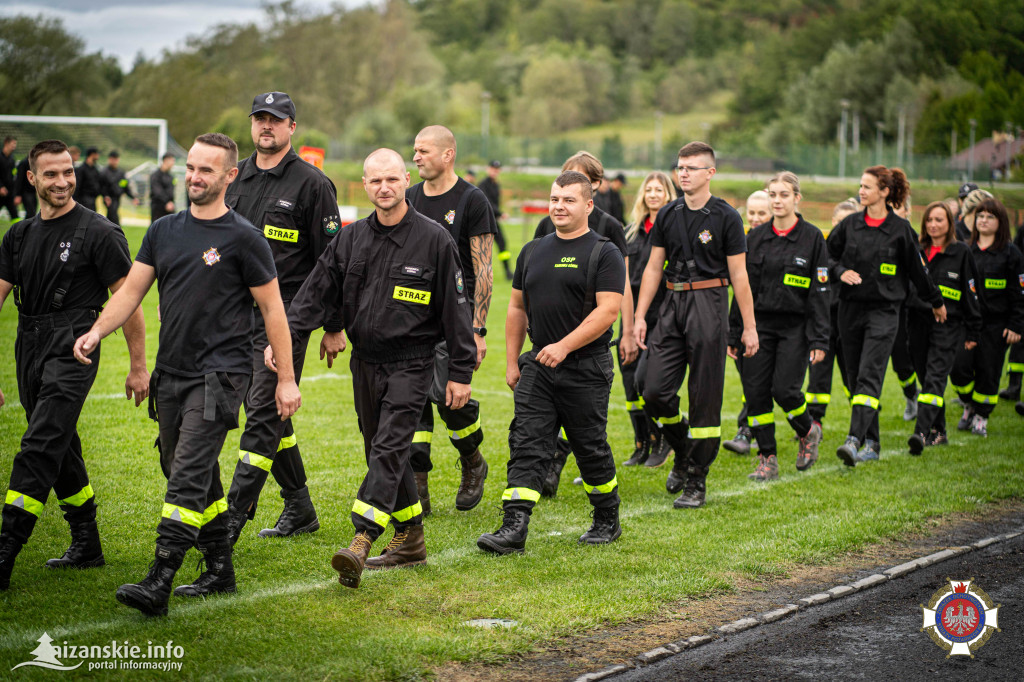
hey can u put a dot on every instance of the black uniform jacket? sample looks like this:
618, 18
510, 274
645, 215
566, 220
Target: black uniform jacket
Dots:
115, 183
89, 185
1000, 285
789, 278
886, 258
953, 272
161, 189
397, 290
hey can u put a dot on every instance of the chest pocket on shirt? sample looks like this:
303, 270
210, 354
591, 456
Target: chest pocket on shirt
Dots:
756, 266
409, 286
797, 272
281, 220
352, 287
887, 268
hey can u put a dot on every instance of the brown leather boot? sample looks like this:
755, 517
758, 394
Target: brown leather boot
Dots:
349, 561
407, 548
471, 490
423, 491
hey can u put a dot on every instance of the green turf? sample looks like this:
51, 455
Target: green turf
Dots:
291, 619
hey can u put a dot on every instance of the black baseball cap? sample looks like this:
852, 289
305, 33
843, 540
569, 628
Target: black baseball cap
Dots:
495, 164
621, 177
277, 103
966, 189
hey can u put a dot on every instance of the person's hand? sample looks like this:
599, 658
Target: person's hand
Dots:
850, 277
640, 332
17, 201
733, 352
512, 375
749, 341
456, 395
552, 355
137, 384
817, 356
288, 398
85, 345
628, 350
268, 359
169, 207
330, 345
970, 345
940, 313
107, 201
1011, 336
481, 350
1, 398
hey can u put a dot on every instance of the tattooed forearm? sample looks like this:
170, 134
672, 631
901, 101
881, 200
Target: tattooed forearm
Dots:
480, 248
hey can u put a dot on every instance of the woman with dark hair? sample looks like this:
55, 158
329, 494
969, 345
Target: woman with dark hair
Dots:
933, 346
787, 265
655, 192
874, 256
1000, 285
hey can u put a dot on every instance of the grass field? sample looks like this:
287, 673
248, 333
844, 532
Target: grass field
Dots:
290, 619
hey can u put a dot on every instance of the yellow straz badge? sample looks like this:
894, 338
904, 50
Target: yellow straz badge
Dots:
280, 234
411, 295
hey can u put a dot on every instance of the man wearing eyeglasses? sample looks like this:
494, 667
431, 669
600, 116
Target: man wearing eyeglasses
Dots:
698, 242
295, 206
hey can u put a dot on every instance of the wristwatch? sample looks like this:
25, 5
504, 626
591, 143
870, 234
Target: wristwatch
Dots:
480, 331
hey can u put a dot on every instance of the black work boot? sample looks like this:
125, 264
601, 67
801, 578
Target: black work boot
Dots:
550, 486
236, 522
660, 449
9, 549
605, 528
676, 480
511, 537
85, 550
298, 516
1012, 390
740, 444
219, 575
423, 490
471, 489
151, 594
695, 489
349, 561
407, 548
642, 439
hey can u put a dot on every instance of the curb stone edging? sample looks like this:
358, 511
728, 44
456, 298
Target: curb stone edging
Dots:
837, 592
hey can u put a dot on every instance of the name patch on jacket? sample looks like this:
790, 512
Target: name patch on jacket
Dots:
411, 295
949, 292
995, 283
797, 281
280, 234
888, 268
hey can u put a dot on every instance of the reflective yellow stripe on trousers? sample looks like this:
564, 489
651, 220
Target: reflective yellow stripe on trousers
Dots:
23, 501
402, 515
211, 512
606, 488
182, 515
360, 508
462, 433
866, 401
520, 494
79, 498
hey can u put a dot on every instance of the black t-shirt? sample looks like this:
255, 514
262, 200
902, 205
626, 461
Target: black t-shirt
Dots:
477, 219
204, 270
556, 285
714, 232
45, 249
599, 221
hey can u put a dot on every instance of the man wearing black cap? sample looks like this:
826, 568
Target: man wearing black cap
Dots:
90, 183
492, 190
295, 206
615, 206
114, 185
963, 233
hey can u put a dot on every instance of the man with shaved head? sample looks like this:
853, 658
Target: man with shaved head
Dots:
394, 280
466, 213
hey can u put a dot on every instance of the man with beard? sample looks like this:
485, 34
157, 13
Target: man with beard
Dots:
61, 262
211, 265
295, 206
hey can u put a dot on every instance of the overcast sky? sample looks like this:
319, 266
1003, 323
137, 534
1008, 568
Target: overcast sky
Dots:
124, 28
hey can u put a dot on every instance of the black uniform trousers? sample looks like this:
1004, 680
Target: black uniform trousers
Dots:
902, 361
8, 203
741, 418
934, 349
976, 373
776, 371
692, 331
112, 211
194, 415
868, 331
30, 202
52, 387
573, 395
465, 430
819, 376
1016, 363
388, 399
268, 445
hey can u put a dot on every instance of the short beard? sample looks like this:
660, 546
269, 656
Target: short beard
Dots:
206, 196
270, 151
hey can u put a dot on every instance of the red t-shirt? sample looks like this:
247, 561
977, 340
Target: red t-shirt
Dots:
872, 222
932, 251
785, 232
648, 224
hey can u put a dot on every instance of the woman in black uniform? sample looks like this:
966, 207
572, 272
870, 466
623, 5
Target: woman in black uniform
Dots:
933, 347
874, 255
656, 191
1000, 285
787, 263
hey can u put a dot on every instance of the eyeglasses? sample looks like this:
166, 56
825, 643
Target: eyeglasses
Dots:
688, 170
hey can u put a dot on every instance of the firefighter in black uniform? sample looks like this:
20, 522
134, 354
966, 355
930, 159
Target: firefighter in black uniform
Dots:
492, 190
161, 189
565, 295
211, 265
24, 189
115, 184
295, 206
874, 254
462, 209
62, 263
8, 177
934, 346
90, 181
788, 270
395, 282
701, 238
1000, 286
1015, 364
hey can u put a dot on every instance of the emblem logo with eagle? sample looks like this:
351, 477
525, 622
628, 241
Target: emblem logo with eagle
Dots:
960, 618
